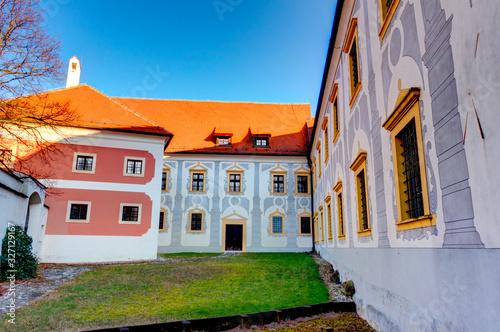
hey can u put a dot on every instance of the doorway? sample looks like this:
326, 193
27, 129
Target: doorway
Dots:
234, 237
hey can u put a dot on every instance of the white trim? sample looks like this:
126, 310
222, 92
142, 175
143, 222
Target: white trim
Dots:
143, 170
79, 221
120, 221
84, 154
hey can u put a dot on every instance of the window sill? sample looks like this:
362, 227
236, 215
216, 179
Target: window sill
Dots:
304, 234
81, 171
276, 233
365, 232
234, 192
78, 221
330, 239
355, 94
165, 191
303, 194
341, 237
122, 222
279, 193
420, 222
195, 231
163, 230
197, 192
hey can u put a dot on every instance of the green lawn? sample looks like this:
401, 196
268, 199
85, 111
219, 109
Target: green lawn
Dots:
140, 294
189, 255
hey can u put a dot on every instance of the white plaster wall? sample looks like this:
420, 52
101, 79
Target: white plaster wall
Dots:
13, 207
95, 249
478, 82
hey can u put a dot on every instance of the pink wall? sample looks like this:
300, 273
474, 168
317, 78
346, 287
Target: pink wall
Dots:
109, 164
104, 214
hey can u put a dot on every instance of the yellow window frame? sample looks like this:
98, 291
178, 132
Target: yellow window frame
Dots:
358, 167
352, 40
407, 108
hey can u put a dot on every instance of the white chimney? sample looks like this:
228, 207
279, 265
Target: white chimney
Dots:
74, 70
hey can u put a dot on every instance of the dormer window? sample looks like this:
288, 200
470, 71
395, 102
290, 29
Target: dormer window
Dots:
223, 140
261, 142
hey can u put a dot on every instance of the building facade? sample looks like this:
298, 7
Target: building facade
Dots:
402, 149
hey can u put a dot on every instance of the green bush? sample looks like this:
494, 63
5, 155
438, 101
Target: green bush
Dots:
17, 258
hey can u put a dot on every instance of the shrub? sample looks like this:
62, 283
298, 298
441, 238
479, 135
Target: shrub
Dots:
348, 288
17, 255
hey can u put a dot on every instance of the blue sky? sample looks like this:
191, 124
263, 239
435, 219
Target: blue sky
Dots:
229, 50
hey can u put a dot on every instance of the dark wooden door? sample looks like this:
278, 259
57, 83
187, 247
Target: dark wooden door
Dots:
234, 237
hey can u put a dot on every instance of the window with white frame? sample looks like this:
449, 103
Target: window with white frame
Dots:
130, 213
78, 212
84, 162
134, 166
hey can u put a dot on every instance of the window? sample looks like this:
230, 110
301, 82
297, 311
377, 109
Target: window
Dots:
359, 168
78, 212
198, 182
235, 182
196, 221
314, 172
261, 142
351, 48
325, 128
335, 105
277, 223
316, 228
223, 140
130, 213
84, 162
278, 183
387, 9
162, 226
305, 227
278, 176
329, 216
302, 184
318, 147
164, 179
198, 178
340, 210
134, 166
302, 180
322, 224
409, 163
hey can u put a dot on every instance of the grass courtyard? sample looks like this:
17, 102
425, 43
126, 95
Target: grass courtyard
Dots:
149, 293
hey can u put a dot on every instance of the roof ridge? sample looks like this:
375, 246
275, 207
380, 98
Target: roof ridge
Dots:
211, 101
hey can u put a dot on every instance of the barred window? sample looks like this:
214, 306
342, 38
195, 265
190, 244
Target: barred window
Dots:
162, 220
277, 225
340, 214
362, 208
130, 213
78, 212
407, 140
196, 221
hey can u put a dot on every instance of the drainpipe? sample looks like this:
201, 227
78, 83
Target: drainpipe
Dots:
309, 162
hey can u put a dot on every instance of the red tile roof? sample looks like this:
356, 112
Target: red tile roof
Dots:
195, 123
93, 109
